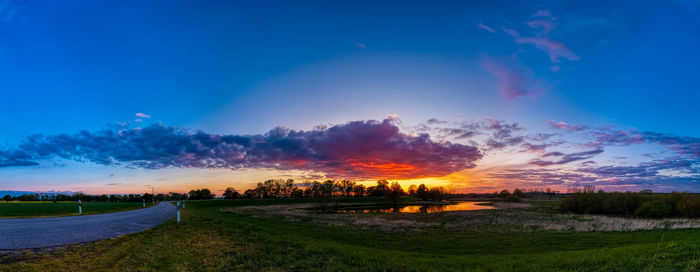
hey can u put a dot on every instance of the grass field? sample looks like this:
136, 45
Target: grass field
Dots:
218, 236
41, 209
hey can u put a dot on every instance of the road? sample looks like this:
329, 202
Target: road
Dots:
56, 231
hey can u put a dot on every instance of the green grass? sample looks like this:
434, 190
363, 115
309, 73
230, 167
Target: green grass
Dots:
43, 209
211, 240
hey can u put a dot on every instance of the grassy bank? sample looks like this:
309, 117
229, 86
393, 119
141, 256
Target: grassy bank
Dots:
211, 240
15, 209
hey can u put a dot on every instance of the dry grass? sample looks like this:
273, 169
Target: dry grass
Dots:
509, 217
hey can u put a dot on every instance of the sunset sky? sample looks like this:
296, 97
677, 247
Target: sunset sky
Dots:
478, 96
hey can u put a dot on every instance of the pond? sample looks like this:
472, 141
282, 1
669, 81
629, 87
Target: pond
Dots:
461, 206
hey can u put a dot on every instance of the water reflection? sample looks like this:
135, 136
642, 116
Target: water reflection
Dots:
461, 206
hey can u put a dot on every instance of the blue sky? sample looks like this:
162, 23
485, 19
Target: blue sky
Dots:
245, 68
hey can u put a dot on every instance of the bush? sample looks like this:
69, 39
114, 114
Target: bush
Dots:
628, 203
655, 208
689, 206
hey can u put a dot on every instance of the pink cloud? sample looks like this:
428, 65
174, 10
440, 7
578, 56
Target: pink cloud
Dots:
511, 32
485, 27
512, 82
142, 115
555, 50
563, 125
545, 25
543, 13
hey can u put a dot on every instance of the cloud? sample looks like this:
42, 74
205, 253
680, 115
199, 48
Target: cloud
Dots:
555, 50
485, 27
512, 83
640, 175
545, 25
607, 136
356, 150
435, 121
543, 13
564, 126
361, 45
142, 115
565, 158
511, 32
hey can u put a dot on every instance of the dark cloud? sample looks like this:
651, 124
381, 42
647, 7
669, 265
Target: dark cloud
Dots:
360, 149
435, 121
607, 136
679, 173
565, 158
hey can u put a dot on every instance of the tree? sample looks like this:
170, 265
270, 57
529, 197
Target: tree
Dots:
201, 194
422, 192
395, 191
297, 193
412, 190
504, 194
516, 196
381, 189
359, 190
7, 198
438, 194
287, 187
231, 193
249, 194
346, 187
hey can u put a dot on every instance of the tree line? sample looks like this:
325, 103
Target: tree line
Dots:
281, 188
643, 204
198, 194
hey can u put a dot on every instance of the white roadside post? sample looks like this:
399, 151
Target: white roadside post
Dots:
184, 203
80, 207
178, 211
144, 203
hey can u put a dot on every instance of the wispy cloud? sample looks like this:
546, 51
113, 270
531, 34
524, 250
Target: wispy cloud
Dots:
609, 136
142, 115
543, 13
555, 50
545, 25
485, 27
511, 32
513, 82
564, 158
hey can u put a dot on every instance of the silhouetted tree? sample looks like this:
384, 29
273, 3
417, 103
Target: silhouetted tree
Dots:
395, 191
412, 190
346, 187
359, 190
422, 192
201, 194
231, 193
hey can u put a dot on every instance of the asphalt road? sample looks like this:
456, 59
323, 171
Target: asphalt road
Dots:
55, 231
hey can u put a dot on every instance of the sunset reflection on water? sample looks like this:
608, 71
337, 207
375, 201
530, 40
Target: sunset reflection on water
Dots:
461, 206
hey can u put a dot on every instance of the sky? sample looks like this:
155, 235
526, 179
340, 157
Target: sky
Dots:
477, 96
